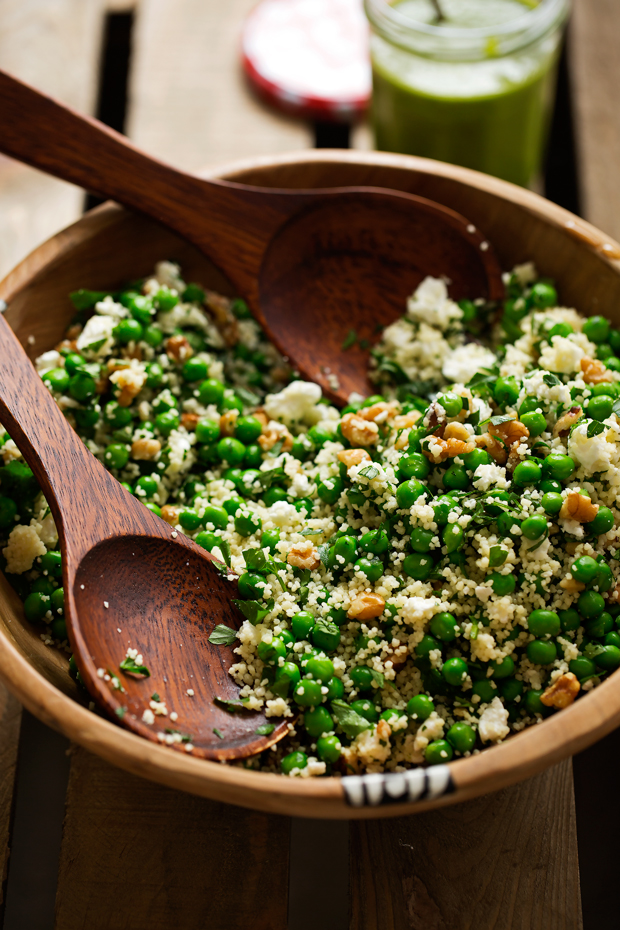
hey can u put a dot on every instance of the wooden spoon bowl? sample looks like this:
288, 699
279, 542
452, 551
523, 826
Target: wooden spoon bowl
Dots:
110, 246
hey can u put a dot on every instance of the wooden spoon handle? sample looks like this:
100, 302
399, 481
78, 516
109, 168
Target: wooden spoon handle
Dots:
72, 479
229, 222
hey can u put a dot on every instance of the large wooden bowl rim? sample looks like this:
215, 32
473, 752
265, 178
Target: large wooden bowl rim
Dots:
520, 757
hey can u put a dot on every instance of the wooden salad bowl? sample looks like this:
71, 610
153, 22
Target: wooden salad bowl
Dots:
109, 246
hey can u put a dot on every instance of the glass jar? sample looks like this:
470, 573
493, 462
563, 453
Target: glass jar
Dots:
458, 91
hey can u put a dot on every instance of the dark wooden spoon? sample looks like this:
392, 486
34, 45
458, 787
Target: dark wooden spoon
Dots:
313, 265
130, 581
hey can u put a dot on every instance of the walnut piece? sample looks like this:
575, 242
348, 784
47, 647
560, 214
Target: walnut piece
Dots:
304, 555
594, 372
378, 412
562, 692
511, 432
145, 450
223, 317
457, 431
357, 431
578, 507
271, 435
351, 457
189, 421
567, 420
170, 514
228, 421
366, 607
571, 585
129, 383
178, 348
495, 449
406, 420
443, 449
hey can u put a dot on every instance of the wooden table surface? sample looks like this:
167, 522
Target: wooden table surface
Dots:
84, 846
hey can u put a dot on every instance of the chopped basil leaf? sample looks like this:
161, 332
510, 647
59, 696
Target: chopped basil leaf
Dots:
233, 707
86, 300
252, 611
276, 448
129, 665
349, 340
224, 547
551, 380
248, 397
348, 719
265, 729
370, 472
218, 733
497, 556
222, 635
155, 696
595, 429
378, 677
120, 712
324, 553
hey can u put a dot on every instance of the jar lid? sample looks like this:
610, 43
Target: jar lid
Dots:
309, 58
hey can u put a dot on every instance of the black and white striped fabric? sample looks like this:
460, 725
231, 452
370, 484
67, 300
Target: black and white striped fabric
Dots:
398, 787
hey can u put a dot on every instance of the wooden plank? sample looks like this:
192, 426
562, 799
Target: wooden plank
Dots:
10, 716
595, 76
189, 101
138, 856
507, 861
54, 46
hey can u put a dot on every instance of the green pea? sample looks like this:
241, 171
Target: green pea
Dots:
247, 523
253, 457
73, 362
194, 369
608, 659
605, 578
294, 760
373, 569
420, 707
549, 486
58, 629
535, 423
189, 520
558, 466
552, 503
590, 604
318, 721
320, 669
414, 465
475, 458
207, 430
211, 391
502, 584
208, 541
42, 585
167, 421
527, 472
485, 690
154, 374
534, 527
444, 627
328, 748
455, 671
418, 566
421, 540
408, 492
507, 523
533, 702
146, 486
301, 624
602, 523
599, 408
582, 667
127, 330
82, 386
153, 335
426, 645
248, 429
569, 620
230, 450
362, 678
506, 391
251, 586
365, 709
326, 636
438, 752
456, 478
117, 416
502, 668
8, 512
596, 328
543, 295
544, 623
154, 508
304, 505
531, 405
308, 693
542, 652
599, 626
36, 606
330, 489
453, 537
57, 600
116, 455
511, 688
335, 689
451, 403
584, 569
442, 507
231, 402
461, 737
58, 379
560, 329
612, 638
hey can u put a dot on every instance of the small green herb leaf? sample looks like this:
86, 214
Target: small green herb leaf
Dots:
594, 429
324, 553
265, 729
370, 472
248, 397
378, 678
233, 707
551, 380
222, 635
276, 448
120, 712
218, 733
252, 610
349, 340
129, 665
312, 531
497, 556
86, 300
224, 547
348, 719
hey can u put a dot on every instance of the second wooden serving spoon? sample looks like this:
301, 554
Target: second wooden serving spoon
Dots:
313, 265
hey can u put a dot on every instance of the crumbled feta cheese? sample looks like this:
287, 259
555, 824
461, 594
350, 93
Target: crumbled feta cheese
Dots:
23, 547
493, 724
462, 364
294, 402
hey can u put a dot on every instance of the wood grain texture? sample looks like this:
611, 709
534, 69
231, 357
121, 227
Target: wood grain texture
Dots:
55, 46
595, 76
189, 100
10, 716
507, 861
137, 856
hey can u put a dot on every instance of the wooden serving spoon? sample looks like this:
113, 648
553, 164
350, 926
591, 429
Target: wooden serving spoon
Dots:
131, 582
314, 266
